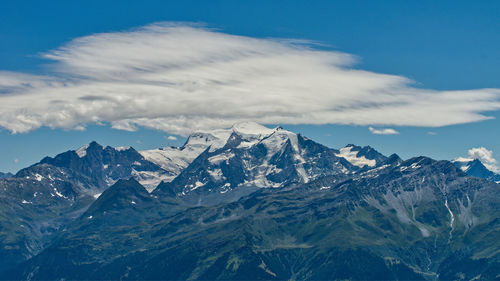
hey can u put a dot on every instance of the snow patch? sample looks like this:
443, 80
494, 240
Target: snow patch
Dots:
38, 177
196, 185
415, 166
58, 193
352, 157
82, 151
220, 157
216, 174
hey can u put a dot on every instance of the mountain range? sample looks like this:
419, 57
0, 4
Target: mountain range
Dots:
245, 203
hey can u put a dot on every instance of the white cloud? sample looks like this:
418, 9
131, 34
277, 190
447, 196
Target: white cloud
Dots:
172, 138
486, 157
385, 131
179, 78
431, 133
16, 161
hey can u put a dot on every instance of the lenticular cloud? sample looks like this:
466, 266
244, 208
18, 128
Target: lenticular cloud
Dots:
179, 78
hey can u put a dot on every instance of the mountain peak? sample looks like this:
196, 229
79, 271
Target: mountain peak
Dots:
82, 151
121, 194
216, 139
251, 129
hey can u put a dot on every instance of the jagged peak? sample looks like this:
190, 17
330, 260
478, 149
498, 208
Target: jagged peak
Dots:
394, 158
82, 151
465, 164
93, 145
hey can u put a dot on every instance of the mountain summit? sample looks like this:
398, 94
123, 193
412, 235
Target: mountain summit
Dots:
475, 168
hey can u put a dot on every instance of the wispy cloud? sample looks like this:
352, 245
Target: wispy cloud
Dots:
384, 131
179, 78
172, 138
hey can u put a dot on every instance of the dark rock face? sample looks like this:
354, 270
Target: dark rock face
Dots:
273, 206
103, 165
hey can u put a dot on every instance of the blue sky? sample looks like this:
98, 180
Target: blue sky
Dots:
450, 45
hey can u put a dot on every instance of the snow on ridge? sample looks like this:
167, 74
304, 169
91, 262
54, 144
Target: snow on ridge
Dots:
464, 168
251, 129
174, 159
82, 151
352, 157
215, 139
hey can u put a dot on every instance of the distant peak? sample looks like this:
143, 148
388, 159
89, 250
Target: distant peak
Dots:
130, 184
251, 128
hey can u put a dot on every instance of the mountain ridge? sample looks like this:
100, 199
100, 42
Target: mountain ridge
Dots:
267, 199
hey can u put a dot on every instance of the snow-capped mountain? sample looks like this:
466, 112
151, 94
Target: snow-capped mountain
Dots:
253, 156
475, 168
175, 159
